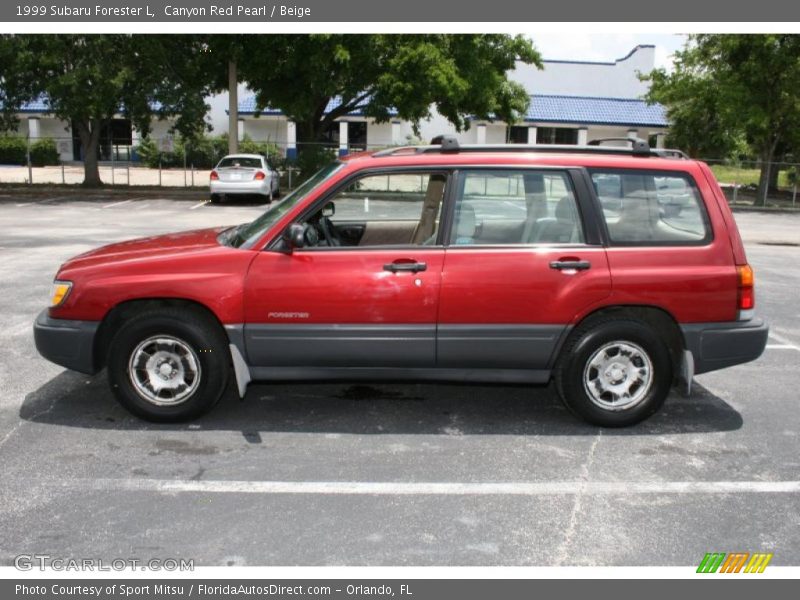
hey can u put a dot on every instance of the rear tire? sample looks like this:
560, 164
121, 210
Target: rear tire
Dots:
169, 364
614, 373
216, 199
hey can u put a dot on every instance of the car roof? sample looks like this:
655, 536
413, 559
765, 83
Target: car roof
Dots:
241, 156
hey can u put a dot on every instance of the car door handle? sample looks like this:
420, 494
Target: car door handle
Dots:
411, 267
577, 265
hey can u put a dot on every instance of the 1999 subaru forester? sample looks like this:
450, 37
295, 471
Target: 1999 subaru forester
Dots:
615, 271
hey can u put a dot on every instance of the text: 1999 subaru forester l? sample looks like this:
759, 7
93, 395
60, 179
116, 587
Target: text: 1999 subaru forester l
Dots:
615, 271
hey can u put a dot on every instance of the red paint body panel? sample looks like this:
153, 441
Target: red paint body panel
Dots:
727, 215
517, 286
344, 287
189, 265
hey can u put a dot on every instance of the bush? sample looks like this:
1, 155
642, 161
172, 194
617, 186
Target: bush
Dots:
268, 149
202, 152
44, 152
13, 150
312, 158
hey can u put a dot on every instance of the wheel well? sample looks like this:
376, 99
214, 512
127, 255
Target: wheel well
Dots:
125, 310
663, 323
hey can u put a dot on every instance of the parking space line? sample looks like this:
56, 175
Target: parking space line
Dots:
199, 204
120, 203
782, 347
407, 488
784, 342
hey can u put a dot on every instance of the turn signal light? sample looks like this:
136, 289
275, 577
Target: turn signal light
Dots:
747, 299
214, 175
60, 292
260, 175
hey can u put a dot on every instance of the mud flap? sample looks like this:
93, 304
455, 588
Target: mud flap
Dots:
241, 370
687, 373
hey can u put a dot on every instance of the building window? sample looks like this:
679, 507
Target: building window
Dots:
518, 134
556, 135
356, 135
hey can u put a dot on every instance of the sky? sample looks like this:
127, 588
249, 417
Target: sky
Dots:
605, 47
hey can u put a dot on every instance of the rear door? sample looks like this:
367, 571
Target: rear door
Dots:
524, 258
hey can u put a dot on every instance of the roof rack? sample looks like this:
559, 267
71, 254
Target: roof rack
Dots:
449, 144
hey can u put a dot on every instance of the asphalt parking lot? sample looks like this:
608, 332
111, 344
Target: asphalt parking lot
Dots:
389, 474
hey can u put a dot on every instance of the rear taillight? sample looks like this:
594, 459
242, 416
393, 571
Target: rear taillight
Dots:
214, 175
260, 175
747, 299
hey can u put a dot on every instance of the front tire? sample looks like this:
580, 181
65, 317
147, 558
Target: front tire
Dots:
614, 373
169, 365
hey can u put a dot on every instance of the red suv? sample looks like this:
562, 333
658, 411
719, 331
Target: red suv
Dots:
617, 272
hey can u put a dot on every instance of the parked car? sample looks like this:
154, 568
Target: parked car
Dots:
242, 175
442, 262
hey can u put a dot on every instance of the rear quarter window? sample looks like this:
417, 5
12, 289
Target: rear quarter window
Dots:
651, 208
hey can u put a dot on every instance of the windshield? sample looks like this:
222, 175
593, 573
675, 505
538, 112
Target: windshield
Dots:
244, 236
239, 161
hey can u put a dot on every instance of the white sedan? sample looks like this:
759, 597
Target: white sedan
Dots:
244, 175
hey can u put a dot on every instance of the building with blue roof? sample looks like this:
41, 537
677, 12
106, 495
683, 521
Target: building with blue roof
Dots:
572, 102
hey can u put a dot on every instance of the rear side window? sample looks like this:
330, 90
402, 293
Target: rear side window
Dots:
240, 161
651, 208
509, 207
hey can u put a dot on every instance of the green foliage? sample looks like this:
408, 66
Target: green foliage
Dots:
44, 153
202, 152
312, 157
732, 91
268, 149
729, 93
14, 151
89, 79
463, 76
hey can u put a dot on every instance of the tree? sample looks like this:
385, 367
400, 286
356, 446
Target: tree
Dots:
87, 80
731, 88
463, 76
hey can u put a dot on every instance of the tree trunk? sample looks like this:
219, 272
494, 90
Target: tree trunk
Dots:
765, 177
233, 109
774, 172
89, 134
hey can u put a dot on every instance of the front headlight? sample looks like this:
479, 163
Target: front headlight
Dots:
61, 290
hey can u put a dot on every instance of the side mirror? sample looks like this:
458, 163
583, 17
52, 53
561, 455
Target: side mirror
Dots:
295, 236
329, 209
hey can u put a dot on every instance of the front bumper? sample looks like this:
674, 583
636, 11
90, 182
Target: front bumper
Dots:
720, 345
65, 342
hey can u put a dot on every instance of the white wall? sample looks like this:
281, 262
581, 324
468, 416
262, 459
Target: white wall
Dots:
266, 128
618, 79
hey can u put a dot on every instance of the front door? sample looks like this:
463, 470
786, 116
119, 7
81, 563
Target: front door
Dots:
517, 271
366, 293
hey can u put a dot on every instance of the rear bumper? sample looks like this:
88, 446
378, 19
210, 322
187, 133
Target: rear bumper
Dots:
720, 345
65, 342
231, 188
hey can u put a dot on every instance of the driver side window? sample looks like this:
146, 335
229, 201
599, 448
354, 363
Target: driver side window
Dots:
389, 209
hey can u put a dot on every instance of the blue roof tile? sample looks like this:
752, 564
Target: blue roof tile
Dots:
39, 105
595, 111
247, 106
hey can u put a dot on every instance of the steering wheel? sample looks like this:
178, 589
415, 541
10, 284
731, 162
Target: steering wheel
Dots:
329, 232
